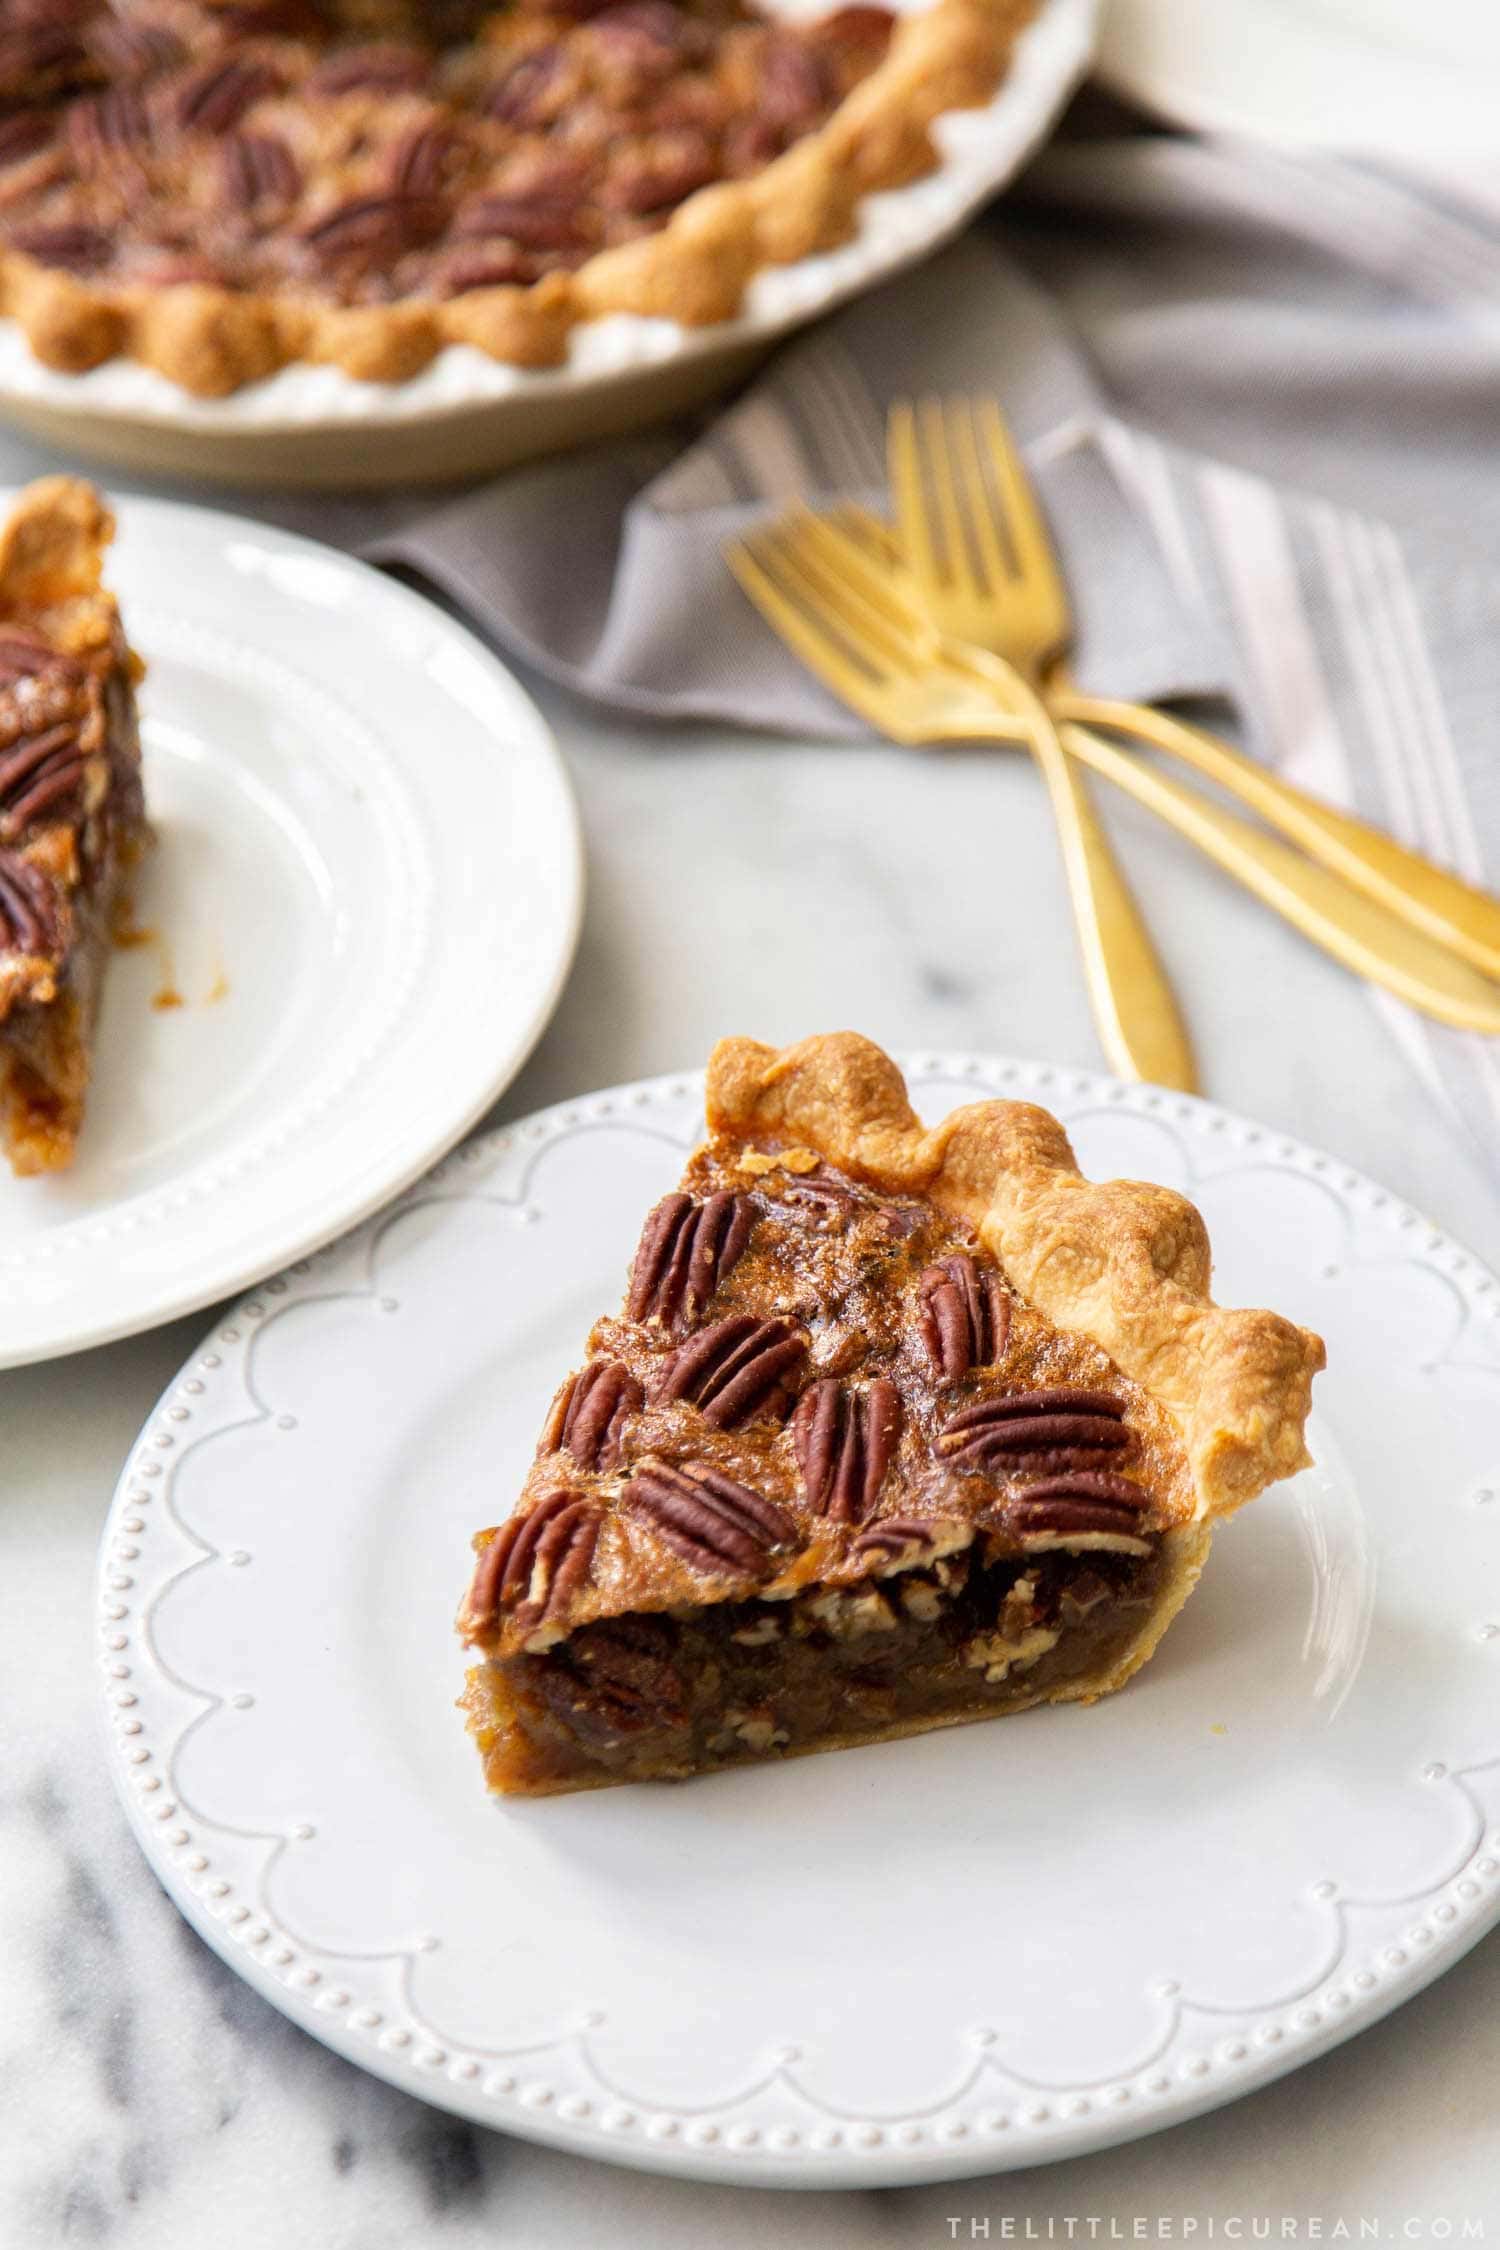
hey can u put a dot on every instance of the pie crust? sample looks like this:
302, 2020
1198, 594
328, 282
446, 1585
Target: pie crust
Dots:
72, 818
898, 1428
694, 267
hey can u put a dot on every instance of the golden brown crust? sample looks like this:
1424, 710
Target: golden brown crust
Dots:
212, 340
1120, 1261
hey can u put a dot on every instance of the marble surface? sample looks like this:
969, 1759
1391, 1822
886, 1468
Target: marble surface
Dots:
150, 2100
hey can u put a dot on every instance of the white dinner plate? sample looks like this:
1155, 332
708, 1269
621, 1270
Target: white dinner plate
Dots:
1411, 77
360, 908
466, 412
951, 1954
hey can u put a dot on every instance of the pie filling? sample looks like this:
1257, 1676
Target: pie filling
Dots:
653, 1694
258, 148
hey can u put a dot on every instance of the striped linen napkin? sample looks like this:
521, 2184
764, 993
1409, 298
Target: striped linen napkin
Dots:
1162, 319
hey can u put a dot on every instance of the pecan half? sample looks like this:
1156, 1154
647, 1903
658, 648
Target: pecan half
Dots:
133, 50
590, 1414
29, 919
535, 1563
380, 69
79, 248
374, 225
24, 134
737, 1368
1017, 1427
965, 1316
24, 654
844, 1441
714, 1523
1086, 1500
260, 168
661, 173
520, 96
686, 1249
418, 161
40, 774
906, 1540
215, 99
104, 127
535, 222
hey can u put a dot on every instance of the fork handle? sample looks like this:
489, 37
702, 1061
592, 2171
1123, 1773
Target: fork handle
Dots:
1353, 928
1427, 897
1139, 1025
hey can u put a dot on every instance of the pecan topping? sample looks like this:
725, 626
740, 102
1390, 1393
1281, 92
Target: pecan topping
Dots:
1012, 1430
518, 97
23, 135
535, 1563
107, 126
260, 168
38, 775
36, 50
965, 1316
483, 269
903, 1538
215, 99
708, 1519
418, 161
591, 1412
133, 50
686, 1249
24, 654
1087, 1500
374, 225
737, 1368
78, 247
845, 1440
386, 69
29, 920
656, 177
791, 90
535, 222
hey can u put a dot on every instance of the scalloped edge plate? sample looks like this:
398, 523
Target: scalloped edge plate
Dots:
996, 2111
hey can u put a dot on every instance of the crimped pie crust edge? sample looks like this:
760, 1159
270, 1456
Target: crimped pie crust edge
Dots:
1120, 1261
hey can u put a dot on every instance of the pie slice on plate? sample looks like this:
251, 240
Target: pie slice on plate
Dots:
897, 1428
72, 818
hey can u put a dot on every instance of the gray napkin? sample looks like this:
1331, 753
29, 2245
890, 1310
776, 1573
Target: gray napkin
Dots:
1162, 319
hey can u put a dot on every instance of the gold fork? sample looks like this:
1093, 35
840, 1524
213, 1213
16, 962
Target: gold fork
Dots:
854, 625
977, 544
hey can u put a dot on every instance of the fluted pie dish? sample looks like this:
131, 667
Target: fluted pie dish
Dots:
220, 190
897, 1429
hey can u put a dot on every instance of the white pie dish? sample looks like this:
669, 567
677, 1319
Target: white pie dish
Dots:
467, 413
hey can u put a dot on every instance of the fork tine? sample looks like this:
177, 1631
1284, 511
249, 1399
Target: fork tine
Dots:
904, 468
823, 655
877, 539
943, 486
865, 572
879, 635
1026, 526
987, 520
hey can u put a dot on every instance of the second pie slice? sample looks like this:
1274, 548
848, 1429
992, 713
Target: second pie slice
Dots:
897, 1428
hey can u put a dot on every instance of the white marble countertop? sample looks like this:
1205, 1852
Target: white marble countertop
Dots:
152, 2101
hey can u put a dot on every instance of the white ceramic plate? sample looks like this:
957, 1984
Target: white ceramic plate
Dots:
366, 887
955, 1954
467, 410
1374, 75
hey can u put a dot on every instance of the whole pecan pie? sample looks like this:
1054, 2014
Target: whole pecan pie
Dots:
897, 1428
219, 187
72, 819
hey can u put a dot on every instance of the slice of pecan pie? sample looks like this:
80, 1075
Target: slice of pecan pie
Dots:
72, 819
896, 1429
220, 187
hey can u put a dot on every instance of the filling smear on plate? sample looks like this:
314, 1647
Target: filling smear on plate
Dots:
896, 1429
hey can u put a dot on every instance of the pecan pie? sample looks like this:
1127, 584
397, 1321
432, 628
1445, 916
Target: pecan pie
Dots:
896, 1429
218, 187
72, 821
